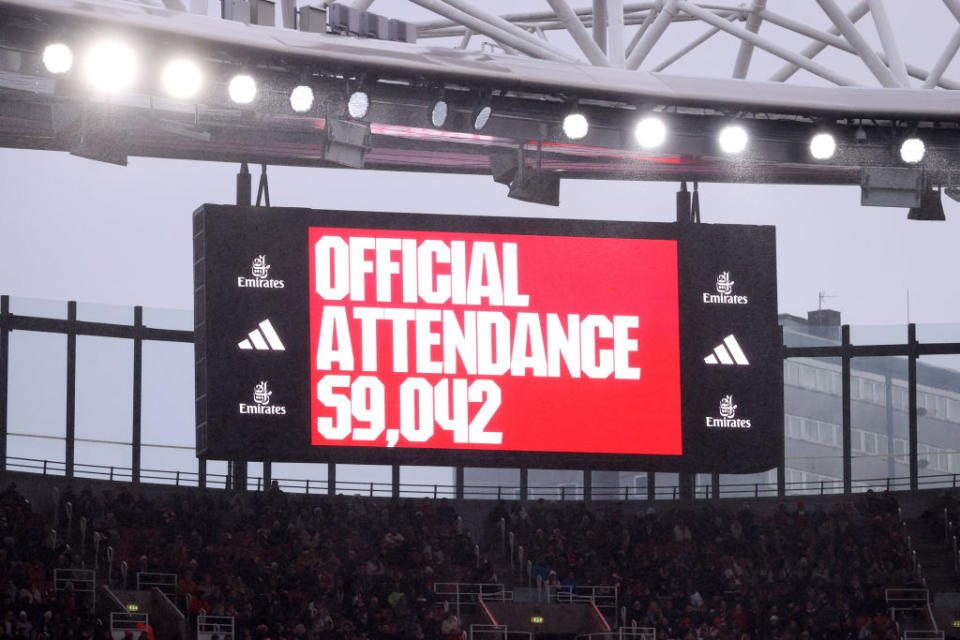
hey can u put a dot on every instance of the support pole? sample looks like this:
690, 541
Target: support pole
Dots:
4, 375
524, 486
946, 57
859, 43
331, 479
202, 473
267, 475
651, 486
650, 38
687, 485
825, 72
587, 485
746, 49
395, 481
782, 460
458, 481
579, 33
912, 405
71, 418
715, 485
136, 443
244, 185
894, 60
845, 407
600, 24
615, 42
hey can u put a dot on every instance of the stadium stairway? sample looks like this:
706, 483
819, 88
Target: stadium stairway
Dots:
937, 567
546, 621
167, 621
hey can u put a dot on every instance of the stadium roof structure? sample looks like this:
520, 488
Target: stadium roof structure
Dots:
529, 82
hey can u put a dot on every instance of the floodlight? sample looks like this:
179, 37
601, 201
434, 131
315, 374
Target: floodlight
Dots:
57, 58
912, 150
575, 126
358, 105
242, 88
182, 78
733, 139
481, 116
438, 113
301, 98
111, 66
822, 146
650, 132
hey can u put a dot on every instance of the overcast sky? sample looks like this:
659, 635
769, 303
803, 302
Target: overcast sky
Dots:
78, 229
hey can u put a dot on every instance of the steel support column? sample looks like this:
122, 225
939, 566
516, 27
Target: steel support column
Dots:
651, 486
4, 376
395, 481
587, 485
845, 407
912, 404
267, 474
71, 417
331, 479
688, 484
715, 485
458, 481
524, 485
136, 443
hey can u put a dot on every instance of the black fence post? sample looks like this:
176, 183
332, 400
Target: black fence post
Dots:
4, 375
71, 433
137, 393
912, 404
845, 407
458, 482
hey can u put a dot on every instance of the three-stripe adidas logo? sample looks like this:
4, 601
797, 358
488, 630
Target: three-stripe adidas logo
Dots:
264, 338
728, 353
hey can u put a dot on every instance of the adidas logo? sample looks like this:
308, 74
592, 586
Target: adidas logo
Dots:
728, 353
264, 338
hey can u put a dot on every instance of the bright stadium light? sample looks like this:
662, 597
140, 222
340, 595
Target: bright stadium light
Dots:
111, 66
358, 105
650, 132
438, 113
575, 126
733, 139
182, 78
301, 98
242, 88
822, 146
912, 150
57, 58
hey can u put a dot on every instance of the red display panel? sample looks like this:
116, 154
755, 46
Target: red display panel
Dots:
471, 341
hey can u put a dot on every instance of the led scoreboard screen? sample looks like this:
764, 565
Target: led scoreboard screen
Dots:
427, 339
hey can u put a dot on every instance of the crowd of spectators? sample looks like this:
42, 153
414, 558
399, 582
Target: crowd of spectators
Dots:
710, 572
349, 568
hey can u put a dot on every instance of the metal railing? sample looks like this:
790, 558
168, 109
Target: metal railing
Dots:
477, 492
471, 593
603, 597
208, 626
166, 583
497, 632
623, 633
123, 621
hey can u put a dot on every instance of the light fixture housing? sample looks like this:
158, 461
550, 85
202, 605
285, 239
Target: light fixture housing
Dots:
57, 58
242, 88
575, 126
823, 146
111, 66
358, 104
301, 98
912, 150
439, 111
182, 78
733, 139
650, 132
